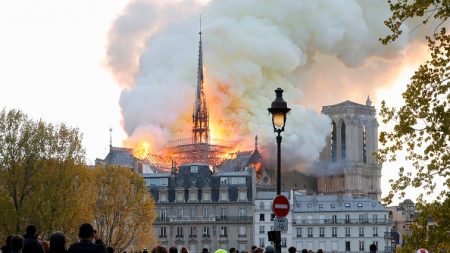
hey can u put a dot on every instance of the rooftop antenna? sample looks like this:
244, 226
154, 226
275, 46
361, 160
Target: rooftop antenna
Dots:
110, 138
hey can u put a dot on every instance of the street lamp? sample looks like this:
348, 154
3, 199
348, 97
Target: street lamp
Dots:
278, 110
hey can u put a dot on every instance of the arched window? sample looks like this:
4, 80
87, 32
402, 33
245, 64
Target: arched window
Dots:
333, 142
343, 155
364, 144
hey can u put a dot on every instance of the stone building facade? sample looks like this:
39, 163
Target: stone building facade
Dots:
340, 223
199, 208
348, 163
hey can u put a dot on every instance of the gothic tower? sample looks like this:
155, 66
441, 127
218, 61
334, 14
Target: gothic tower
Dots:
200, 116
349, 161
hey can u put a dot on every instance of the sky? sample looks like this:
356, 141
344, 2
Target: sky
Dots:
56, 66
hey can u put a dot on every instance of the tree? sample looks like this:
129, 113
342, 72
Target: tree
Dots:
41, 174
422, 124
430, 229
124, 210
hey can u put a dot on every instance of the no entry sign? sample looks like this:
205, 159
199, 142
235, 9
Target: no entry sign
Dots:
280, 206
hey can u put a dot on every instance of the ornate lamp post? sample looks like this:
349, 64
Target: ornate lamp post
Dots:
279, 111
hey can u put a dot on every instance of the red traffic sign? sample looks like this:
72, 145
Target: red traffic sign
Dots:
280, 206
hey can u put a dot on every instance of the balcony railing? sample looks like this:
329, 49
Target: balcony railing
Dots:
388, 235
339, 221
205, 219
388, 249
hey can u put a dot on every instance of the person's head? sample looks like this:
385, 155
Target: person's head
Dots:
259, 250
205, 250
232, 250
17, 242
86, 232
304, 251
31, 230
373, 247
175, 250
184, 250
292, 250
269, 249
253, 248
46, 245
110, 249
320, 251
8, 241
57, 241
145, 251
159, 249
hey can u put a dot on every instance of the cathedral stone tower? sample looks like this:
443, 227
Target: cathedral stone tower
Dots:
349, 164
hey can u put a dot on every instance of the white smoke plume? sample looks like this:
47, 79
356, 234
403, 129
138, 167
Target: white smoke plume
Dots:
250, 47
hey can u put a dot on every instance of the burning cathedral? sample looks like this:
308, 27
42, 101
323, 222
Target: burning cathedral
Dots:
346, 166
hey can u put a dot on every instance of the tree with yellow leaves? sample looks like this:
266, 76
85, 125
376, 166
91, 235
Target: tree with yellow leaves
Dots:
124, 209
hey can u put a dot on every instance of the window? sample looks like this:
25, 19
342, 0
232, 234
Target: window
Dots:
261, 205
180, 195
206, 231
310, 232
223, 181
158, 181
333, 206
261, 230
347, 204
193, 232
261, 242
375, 231
363, 218
223, 213
261, 217
375, 218
334, 231
347, 218
163, 214
360, 205
193, 195
334, 218
343, 140
347, 246
242, 232
193, 213
242, 195
237, 180
179, 232
206, 212
272, 216
224, 195
223, 231
320, 206
299, 232
162, 232
361, 231
180, 213
309, 205
194, 169
321, 232
347, 232
361, 245
162, 196
242, 213
206, 195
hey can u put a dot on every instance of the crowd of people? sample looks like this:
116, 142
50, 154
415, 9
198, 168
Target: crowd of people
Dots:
89, 242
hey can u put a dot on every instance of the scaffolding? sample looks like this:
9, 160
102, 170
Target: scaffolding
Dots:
184, 151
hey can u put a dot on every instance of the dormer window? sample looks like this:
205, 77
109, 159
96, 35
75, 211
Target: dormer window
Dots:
242, 195
180, 195
206, 195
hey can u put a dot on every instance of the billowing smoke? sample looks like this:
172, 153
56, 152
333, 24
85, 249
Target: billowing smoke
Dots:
250, 47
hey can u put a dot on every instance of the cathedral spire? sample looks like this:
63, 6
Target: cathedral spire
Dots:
200, 117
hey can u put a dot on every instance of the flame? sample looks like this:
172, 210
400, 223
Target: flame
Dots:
257, 166
141, 149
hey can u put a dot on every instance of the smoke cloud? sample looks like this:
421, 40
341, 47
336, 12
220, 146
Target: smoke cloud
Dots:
319, 52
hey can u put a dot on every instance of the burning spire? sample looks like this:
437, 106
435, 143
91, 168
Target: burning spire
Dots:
200, 117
